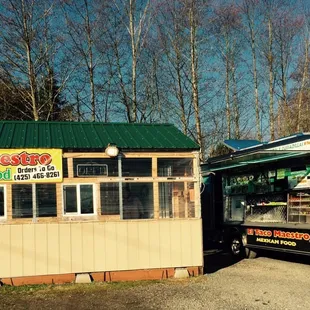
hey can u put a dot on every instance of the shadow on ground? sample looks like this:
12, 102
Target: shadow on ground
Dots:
214, 261
289, 257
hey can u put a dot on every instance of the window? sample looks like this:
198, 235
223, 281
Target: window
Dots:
136, 167
78, 199
95, 167
138, 201
109, 196
175, 167
46, 200
65, 167
22, 200
176, 200
24, 203
2, 202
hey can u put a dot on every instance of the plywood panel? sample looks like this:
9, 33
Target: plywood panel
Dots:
176, 243
111, 246
165, 243
5, 251
122, 245
133, 245
53, 248
41, 249
29, 249
88, 246
154, 244
76, 247
65, 260
144, 245
99, 247
186, 240
16, 250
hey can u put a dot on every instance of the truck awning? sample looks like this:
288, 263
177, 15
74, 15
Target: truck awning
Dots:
255, 158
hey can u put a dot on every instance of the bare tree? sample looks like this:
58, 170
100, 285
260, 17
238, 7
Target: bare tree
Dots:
82, 29
137, 23
21, 57
304, 71
193, 25
174, 42
250, 10
227, 22
29, 48
286, 27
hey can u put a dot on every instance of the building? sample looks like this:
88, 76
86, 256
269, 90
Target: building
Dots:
110, 200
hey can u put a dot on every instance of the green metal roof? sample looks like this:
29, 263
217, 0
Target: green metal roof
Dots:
84, 135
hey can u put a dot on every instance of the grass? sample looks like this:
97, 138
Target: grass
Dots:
91, 287
8, 289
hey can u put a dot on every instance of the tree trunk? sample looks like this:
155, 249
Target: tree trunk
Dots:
235, 104
302, 86
227, 89
133, 115
90, 63
31, 71
194, 74
271, 82
255, 79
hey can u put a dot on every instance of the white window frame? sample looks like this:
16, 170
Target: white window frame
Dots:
78, 196
4, 217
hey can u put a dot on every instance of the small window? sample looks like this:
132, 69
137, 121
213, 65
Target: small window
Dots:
22, 201
95, 167
109, 196
175, 167
65, 167
78, 199
136, 167
46, 200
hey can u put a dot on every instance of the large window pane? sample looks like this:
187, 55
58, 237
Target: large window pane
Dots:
176, 200
138, 201
137, 167
1, 201
70, 201
46, 200
22, 200
86, 199
109, 196
175, 167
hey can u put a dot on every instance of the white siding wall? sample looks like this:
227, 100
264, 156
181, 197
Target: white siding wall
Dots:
43, 249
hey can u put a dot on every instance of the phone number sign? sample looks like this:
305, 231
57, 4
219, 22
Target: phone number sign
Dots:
31, 165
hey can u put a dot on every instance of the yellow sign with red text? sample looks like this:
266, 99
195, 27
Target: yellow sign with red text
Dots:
30, 165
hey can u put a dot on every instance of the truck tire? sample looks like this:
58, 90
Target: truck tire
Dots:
250, 254
236, 246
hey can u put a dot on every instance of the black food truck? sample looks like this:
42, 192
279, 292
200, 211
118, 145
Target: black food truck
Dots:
257, 197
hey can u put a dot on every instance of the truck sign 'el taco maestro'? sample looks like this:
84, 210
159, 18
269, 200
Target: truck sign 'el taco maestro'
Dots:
258, 196
35, 165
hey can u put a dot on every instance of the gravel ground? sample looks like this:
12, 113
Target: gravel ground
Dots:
261, 283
